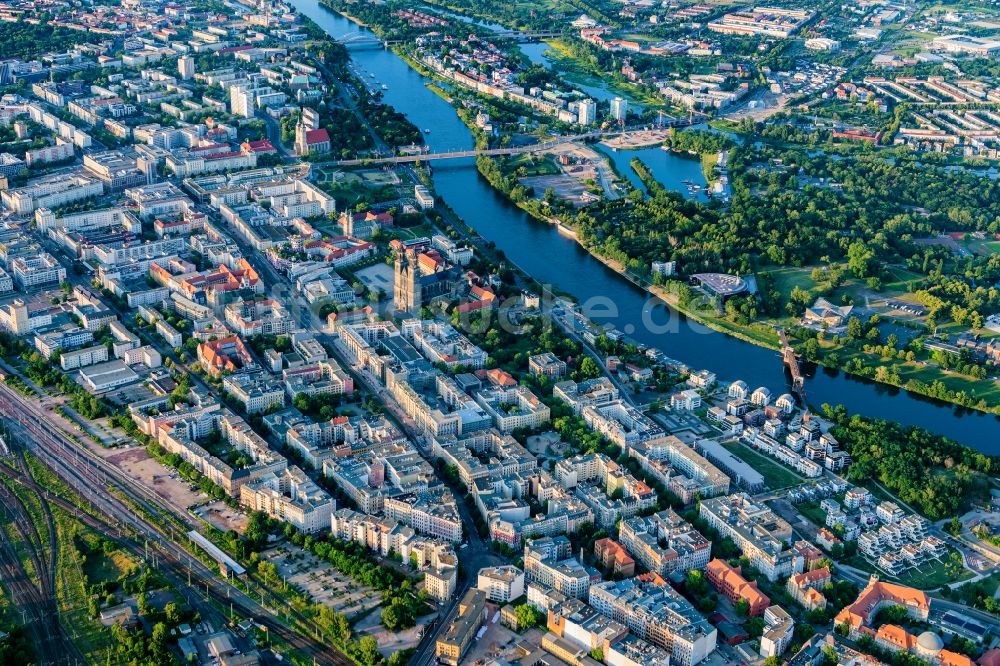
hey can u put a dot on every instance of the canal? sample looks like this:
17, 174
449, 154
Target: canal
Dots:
555, 259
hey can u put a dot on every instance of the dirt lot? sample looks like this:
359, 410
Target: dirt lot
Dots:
570, 188
389, 642
322, 582
585, 164
499, 641
638, 139
166, 483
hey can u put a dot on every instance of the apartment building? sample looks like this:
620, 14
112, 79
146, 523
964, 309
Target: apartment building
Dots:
291, 496
80, 358
440, 343
805, 587
665, 543
51, 192
546, 365
501, 584
614, 558
878, 595
590, 393
257, 392
547, 561
428, 512
512, 408
654, 612
731, 584
265, 316
621, 423
39, 270
697, 476
779, 629
453, 644
760, 534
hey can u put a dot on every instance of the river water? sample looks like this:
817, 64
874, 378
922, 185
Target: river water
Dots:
555, 259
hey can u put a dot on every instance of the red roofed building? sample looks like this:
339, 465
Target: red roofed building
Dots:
262, 147
730, 582
613, 556
224, 355
499, 377
989, 658
805, 587
317, 141
879, 595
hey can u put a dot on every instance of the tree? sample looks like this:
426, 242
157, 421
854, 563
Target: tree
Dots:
954, 526
368, 652
854, 328
859, 258
772, 661
172, 613
742, 607
597, 654
527, 616
589, 368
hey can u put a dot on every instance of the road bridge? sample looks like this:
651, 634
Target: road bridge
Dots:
494, 152
370, 41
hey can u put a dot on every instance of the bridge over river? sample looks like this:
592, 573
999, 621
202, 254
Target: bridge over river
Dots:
515, 150
370, 41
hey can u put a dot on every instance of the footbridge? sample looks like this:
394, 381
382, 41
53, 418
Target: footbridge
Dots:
789, 358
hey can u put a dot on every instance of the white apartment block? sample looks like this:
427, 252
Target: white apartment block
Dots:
51, 192
657, 614
257, 392
79, 358
591, 393
432, 514
41, 269
665, 543
501, 584
45, 220
547, 562
512, 408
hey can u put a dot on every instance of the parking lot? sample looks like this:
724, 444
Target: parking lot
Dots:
322, 582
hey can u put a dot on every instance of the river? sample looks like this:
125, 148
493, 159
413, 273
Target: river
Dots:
554, 259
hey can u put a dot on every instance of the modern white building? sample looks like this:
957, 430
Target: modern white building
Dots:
186, 67
39, 270
501, 584
619, 108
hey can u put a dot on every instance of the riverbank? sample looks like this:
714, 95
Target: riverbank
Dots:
903, 375
552, 260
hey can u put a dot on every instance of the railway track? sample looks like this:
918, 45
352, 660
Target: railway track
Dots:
91, 478
39, 600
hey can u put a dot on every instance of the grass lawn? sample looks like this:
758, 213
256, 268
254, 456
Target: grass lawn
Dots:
787, 278
982, 247
934, 573
775, 474
988, 390
813, 512
533, 165
71, 590
102, 568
